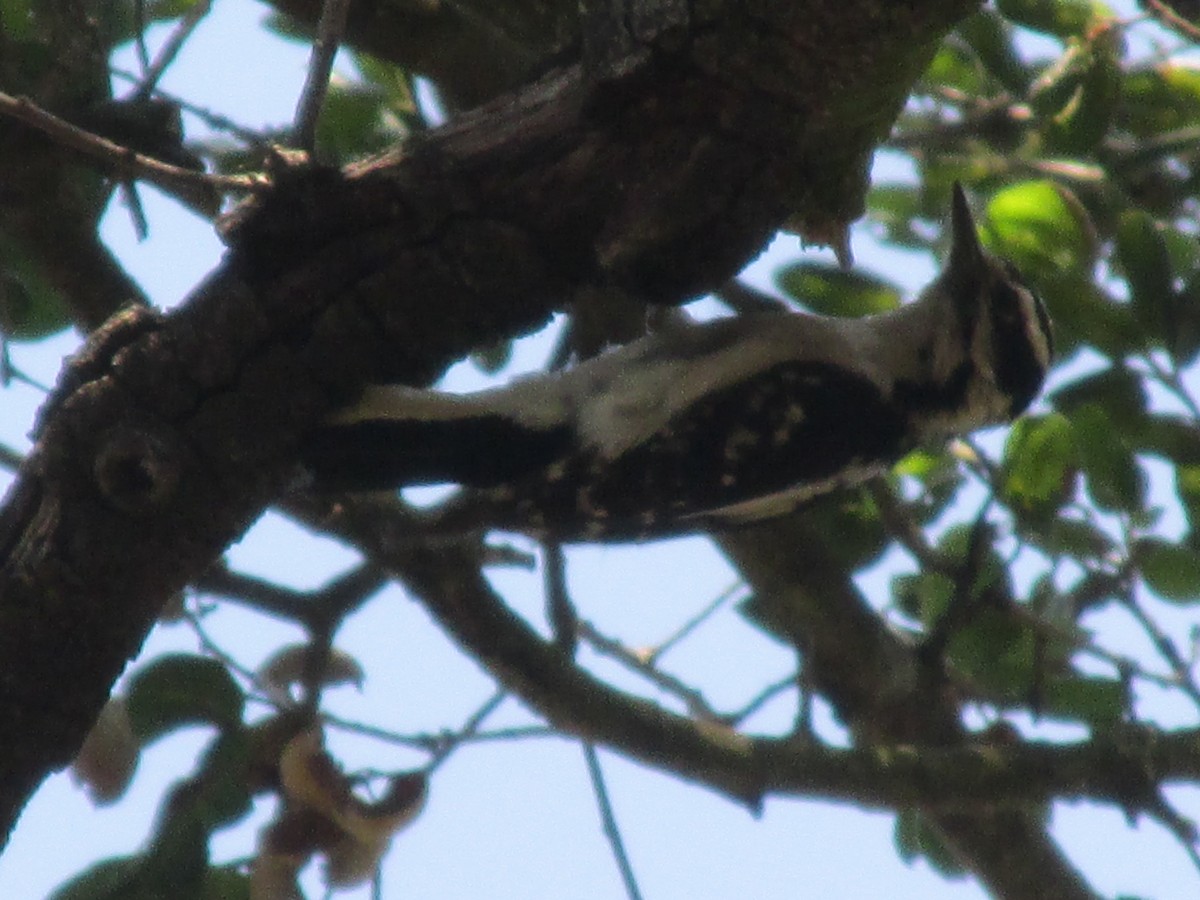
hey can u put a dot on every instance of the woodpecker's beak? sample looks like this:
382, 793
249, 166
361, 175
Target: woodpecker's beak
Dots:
966, 253
966, 269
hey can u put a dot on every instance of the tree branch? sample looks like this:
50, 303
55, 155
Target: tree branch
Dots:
168, 435
949, 778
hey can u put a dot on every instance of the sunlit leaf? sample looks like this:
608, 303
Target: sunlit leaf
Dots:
1039, 462
1041, 227
956, 68
835, 292
353, 122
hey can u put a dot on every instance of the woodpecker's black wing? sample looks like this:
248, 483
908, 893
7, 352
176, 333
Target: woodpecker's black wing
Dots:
383, 454
755, 449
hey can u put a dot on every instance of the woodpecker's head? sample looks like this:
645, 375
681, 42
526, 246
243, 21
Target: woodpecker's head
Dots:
994, 345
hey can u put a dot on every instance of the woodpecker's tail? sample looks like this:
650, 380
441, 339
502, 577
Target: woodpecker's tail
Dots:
387, 453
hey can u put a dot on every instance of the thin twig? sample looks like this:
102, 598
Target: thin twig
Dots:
170, 49
10, 459
325, 47
1164, 646
564, 620
214, 120
209, 646
767, 694
468, 730
1173, 382
1172, 19
639, 663
121, 159
743, 298
139, 28
904, 529
609, 821
694, 622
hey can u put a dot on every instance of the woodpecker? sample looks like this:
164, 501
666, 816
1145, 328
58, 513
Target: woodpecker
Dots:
709, 425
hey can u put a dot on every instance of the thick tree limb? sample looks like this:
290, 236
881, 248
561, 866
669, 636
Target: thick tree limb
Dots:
169, 435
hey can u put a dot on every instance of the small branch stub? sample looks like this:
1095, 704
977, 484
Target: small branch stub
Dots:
137, 470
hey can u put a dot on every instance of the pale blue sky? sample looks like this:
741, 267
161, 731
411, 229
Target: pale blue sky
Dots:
511, 820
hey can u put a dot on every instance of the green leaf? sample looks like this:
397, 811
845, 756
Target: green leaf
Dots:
1078, 126
1062, 18
834, 292
1171, 570
953, 67
31, 305
177, 690
1142, 253
1070, 537
1175, 438
1042, 227
1039, 463
1097, 701
923, 596
393, 80
1162, 98
1187, 488
1117, 390
109, 879
991, 37
224, 780
916, 839
353, 122
896, 207
1083, 313
225, 883
1115, 480
1185, 340
16, 16
995, 651
850, 518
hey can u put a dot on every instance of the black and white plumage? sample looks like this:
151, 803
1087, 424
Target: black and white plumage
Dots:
716, 423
